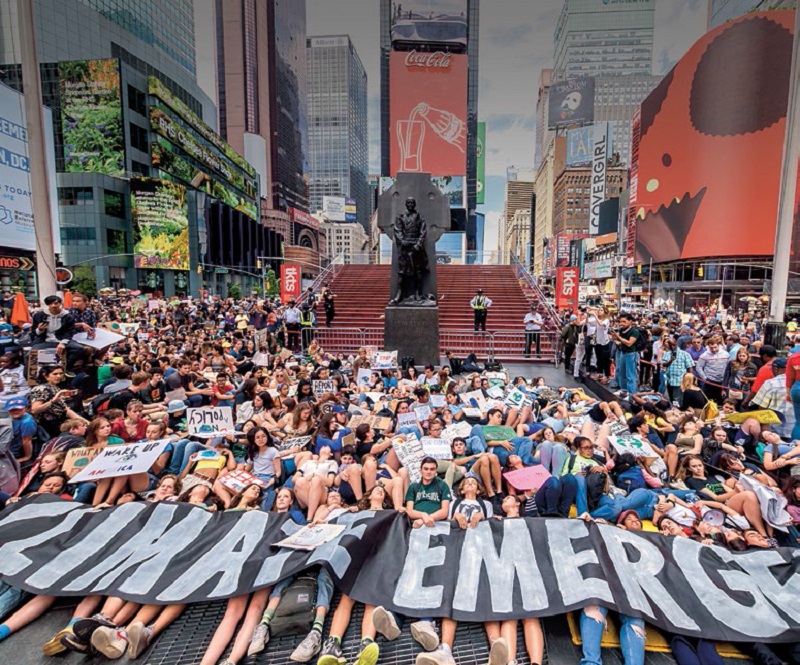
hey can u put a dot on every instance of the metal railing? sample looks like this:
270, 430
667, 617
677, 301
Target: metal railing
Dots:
501, 345
326, 276
524, 274
384, 257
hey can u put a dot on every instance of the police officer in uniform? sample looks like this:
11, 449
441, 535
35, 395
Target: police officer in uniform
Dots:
480, 307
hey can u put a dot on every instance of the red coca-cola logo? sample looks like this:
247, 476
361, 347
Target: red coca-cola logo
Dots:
436, 60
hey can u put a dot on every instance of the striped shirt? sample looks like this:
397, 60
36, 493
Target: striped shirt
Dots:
677, 368
712, 366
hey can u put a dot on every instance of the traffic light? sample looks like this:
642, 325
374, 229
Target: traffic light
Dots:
699, 271
199, 269
258, 264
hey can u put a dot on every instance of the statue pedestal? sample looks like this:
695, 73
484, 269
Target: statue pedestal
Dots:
413, 331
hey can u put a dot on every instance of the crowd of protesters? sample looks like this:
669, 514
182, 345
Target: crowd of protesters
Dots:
711, 469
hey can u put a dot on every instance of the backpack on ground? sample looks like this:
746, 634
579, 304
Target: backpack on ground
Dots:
406, 362
493, 366
296, 609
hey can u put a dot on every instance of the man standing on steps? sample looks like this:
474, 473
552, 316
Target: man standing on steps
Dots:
480, 306
533, 329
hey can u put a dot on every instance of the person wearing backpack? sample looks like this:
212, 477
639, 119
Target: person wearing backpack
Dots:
627, 338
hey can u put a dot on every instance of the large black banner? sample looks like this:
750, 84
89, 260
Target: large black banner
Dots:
175, 553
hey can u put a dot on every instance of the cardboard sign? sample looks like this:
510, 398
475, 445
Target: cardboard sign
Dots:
320, 388
38, 358
127, 460
529, 478
498, 433
437, 401
437, 448
143, 337
460, 429
471, 412
406, 420
496, 392
423, 413
311, 536
79, 458
375, 397
619, 429
374, 422
302, 441
384, 360
127, 328
516, 399
631, 444
102, 338
410, 453
210, 421
237, 480
363, 377
474, 397
153, 305
261, 359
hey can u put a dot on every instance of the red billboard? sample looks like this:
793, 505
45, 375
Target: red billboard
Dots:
290, 282
428, 113
567, 286
711, 142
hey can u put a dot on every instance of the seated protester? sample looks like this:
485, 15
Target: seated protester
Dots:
330, 433
122, 398
744, 502
483, 467
454, 404
551, 450
314, 479
23, 429
133, 427
224, 392
692, 396
262, 462
154, 392
688, 442
404, 407
176, 417
716, 444
553, 499
122, 379
348, 480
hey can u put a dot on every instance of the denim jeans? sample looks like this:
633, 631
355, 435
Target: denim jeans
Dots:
631, 638
627, 375
553, 456
581, 502
324, 588
10, 598
689, 651
641, 500
795, 395
84, 492
194, 401
410, 430
556, 496
268, 495
181, 451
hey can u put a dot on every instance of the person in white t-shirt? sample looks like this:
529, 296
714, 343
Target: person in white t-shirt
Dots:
533, 329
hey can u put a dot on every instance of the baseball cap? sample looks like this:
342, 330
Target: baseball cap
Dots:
338, 408
175, 406
574, 317
779, 363
624, 514
117, 360
16, 403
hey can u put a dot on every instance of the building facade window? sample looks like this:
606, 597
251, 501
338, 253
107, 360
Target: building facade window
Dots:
75, 196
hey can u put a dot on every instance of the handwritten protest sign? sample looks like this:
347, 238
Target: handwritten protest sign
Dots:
410, 453
143, 337
384, 360
423, 413
471, 412
437, 448
529, 478
364, 375
459, 429
321, 387
128, 328
101, 339
238, 479
210, 421
498, 433
517, 399
126, 460
79, 458
631, 444
406, 420
437, 401
301, 441
473, 398
311, 536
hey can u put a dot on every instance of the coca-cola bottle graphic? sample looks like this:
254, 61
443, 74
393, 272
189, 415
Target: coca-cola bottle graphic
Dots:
447, 126
411, 134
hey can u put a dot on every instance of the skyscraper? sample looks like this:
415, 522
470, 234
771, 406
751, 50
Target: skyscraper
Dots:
519, 199
543, 135
337, 124
720, 11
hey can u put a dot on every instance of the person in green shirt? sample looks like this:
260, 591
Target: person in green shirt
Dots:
428, 501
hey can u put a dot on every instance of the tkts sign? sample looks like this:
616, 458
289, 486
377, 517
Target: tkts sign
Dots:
437, 60
567, 283
290, 282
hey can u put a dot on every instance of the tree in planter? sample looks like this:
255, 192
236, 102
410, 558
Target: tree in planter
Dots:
272, 283
84, 280
234, 291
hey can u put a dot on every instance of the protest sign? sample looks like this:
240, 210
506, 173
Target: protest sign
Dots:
439, 449
127, 328
384, 360
423, 413
261, 359
618, 428
38, 358
529, 478
406, 420
159, 553
238, 479
99, 340
473, 398
363, 377
498, 433
79, 458
459, 429
763, 416
375, 397
301, 441
125, 460
496, 392
210, 421
322, 387
410, 454
311, 536
437, 401
631, 444
517, 399
142, 337
153, 305
261, 338
472, 412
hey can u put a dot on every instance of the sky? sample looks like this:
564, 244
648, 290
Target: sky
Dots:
516, 42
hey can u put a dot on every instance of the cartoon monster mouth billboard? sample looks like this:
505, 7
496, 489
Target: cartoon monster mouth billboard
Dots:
711, 144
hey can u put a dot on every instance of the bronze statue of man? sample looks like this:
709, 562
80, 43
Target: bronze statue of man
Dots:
410, 232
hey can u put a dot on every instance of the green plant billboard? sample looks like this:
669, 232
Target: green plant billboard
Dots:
91, 117
160, 215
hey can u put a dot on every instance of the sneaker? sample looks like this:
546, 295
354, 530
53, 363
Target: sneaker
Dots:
259, 640
54, 646
497, 503
331, 653
74, 643
83, 628
439, 656
498, 654
139, 638
368, 655
425, 634
111, 642
308, 648
385, 623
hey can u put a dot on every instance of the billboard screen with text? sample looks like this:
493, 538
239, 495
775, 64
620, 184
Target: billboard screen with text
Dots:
428, 116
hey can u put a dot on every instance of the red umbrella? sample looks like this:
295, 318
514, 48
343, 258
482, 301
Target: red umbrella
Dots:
20, 313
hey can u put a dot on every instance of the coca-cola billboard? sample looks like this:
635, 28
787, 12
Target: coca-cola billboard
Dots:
428, 113
567, 286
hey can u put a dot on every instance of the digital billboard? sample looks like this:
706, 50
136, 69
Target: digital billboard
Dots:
333, 208
453, 188
711, 145
428, 114
570, 103
16, 209
91, 117
350, 210
160, 216
580, 145
481, 172
429, 22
